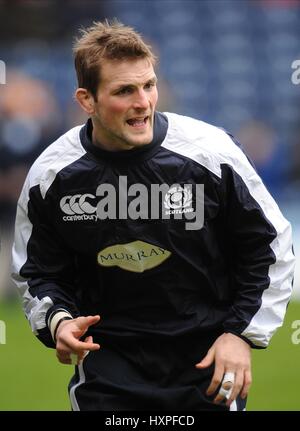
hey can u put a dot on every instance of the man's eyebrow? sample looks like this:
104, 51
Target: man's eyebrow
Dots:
152, 80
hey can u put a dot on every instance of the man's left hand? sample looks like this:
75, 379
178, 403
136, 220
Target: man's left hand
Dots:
232, 358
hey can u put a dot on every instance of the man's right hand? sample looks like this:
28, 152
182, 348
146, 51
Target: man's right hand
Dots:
68, 336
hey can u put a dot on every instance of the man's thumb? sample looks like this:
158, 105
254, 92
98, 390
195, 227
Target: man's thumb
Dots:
207, 360
83, 322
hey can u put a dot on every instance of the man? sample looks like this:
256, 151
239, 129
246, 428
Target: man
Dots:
151, 235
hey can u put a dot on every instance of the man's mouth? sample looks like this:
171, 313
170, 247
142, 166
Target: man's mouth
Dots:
138, 121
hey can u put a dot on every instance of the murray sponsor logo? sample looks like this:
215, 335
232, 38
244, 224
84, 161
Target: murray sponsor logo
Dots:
136, 256
159, 201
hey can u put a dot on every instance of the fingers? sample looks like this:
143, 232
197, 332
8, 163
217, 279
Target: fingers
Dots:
236, 388
75, 351
69, 357
82, 345
70, 332
73, 345
78, 347
207, 360
64, 357
84, 322
233, 385
88, 339
247, 384
215, 381
82, 355
77, 359
226, 388
232, 356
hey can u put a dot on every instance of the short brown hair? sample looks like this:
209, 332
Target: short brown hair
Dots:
110, 41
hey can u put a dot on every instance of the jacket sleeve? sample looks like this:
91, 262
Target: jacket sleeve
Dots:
262, 258
42, 266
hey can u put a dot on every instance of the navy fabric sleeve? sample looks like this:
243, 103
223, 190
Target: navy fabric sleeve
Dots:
44, 267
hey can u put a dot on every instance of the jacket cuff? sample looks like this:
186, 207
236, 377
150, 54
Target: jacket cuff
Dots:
55, 318
252, 345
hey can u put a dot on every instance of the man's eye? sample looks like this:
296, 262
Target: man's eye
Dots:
125, 90
149, 85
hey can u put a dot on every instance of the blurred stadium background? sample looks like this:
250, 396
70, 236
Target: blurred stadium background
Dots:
227, 62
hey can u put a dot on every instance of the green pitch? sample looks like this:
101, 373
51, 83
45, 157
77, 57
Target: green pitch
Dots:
31, 378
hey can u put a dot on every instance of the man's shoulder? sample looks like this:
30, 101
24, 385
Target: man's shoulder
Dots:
192, 129
206, 144
198, 136
60, 148
59, 154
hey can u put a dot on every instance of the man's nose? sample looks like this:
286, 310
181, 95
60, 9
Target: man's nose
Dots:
141, 100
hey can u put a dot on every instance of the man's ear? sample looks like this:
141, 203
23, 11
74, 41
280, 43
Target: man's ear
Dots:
85, 100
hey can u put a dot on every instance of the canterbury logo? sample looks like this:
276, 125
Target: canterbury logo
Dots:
78, 208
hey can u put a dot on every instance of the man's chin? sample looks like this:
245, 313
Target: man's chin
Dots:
139, 141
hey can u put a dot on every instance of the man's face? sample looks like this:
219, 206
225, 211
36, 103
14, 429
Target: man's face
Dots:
126, 100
